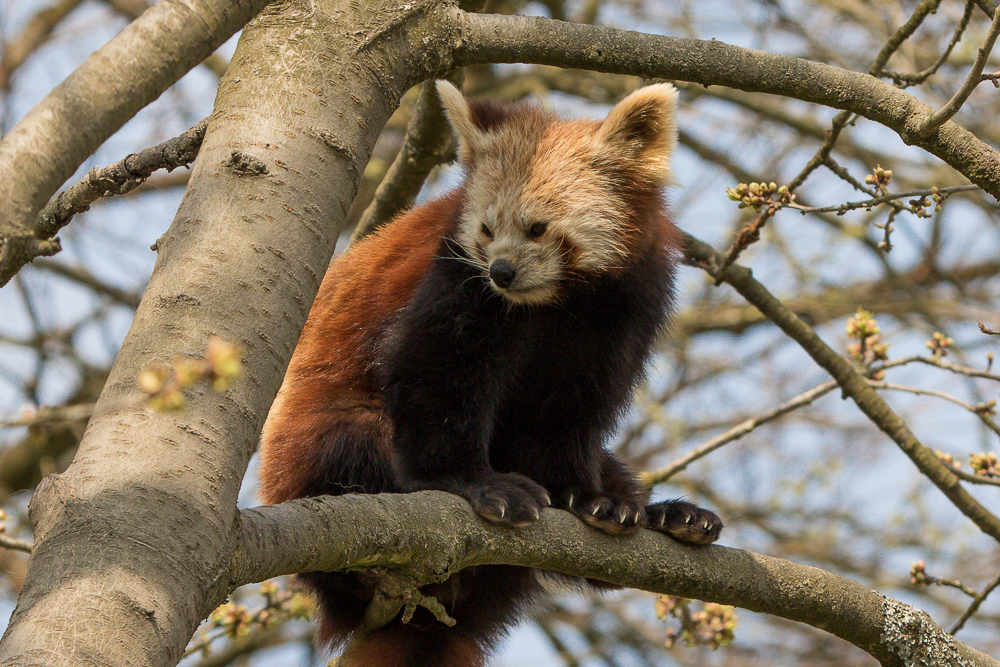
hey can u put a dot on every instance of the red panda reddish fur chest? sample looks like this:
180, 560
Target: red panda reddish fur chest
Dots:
487, 344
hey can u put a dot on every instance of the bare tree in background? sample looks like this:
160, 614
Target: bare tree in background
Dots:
836, 406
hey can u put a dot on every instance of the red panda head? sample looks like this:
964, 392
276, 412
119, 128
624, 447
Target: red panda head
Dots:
548, 199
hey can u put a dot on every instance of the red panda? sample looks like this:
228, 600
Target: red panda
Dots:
487, 344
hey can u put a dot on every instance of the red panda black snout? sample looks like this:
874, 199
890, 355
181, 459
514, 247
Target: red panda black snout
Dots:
549, 200
502, 273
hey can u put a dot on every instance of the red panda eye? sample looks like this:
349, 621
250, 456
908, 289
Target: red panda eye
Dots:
486, 231
536, 230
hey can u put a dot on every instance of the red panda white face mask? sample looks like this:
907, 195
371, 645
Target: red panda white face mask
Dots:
546, 199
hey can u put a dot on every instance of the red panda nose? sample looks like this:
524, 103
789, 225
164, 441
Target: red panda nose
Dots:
502, 273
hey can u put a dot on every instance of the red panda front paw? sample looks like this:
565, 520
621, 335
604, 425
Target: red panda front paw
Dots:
612, 515
507, 499
684, 521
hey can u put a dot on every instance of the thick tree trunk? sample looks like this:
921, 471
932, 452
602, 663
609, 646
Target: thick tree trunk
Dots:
134, 539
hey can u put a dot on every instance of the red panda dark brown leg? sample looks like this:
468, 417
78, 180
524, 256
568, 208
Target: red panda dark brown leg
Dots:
485, 602
404, 646
615, 508
341, 601
684, 521
443, 419
680, 519
620, 507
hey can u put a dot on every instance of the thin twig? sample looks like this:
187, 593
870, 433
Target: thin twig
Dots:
903, 33
871, 203
557, 643
84, 277
43, 352
988, 332
905, 79
941, 363
844, 175
648, 479
920, 391
52, 416
735, 433
976, 479
974, 607
242, 646
119, 178
950, 583
987, 6
15, 544
942, 115
750, 233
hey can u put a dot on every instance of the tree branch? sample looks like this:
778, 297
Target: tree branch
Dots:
129, 72
52, 416
133, 9
83, 277
904, 79
427, 144
15, 544
976, 602
431, 534
33, 35
903, 33
736, 432
853, 384
942, 115
875, 201
119, 178
921, 391
508, 39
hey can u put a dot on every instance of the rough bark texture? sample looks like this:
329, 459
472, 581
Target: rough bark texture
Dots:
144, 519
431, 534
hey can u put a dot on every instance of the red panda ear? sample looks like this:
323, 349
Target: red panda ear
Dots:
460, 114
642, 128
